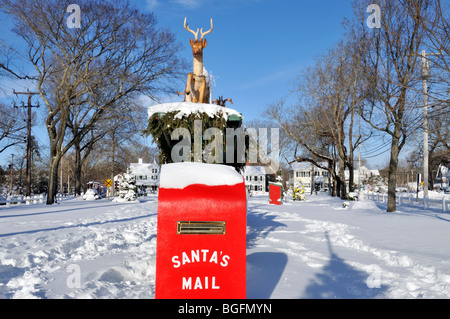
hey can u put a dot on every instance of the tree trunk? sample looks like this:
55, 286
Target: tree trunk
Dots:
350, 166
77, 169
392, 181
343, 187
351, 172
337, 187
53, 180
113, 152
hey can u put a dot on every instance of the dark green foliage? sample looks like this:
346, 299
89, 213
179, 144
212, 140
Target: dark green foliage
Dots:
161, 125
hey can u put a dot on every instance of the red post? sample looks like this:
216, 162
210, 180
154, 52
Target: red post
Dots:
201, 235
275, 193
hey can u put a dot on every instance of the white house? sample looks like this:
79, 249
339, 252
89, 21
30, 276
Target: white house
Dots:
366, 174
300, 174
146, 175
255, 178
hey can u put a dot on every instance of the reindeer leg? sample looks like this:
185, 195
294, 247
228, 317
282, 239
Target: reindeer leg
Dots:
202, 91
187, 90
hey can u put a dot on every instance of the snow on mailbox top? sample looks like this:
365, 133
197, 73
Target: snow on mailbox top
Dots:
180, 175
187, 108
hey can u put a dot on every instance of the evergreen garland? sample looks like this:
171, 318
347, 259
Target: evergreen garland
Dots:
161, 125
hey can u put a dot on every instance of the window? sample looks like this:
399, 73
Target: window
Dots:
305, 174
260, 178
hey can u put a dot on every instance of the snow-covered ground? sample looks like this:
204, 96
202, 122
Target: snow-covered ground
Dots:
312, 249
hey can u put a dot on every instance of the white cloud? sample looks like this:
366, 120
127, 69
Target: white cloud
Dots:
152, 4
189, 3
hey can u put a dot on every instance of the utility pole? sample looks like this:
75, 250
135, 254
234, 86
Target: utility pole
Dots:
425, 75
29, 106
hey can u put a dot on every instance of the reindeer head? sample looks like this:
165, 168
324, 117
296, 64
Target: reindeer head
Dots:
198, 45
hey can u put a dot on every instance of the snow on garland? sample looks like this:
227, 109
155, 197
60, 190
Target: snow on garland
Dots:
185, 109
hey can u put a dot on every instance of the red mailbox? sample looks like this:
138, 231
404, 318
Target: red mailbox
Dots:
275, 193
201, 235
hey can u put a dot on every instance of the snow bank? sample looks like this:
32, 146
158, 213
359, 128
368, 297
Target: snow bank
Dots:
180, 175
365, 205
91, 194
187, 108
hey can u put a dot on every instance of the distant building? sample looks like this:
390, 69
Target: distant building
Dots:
255, 178
146, 175
300, 174
366, 175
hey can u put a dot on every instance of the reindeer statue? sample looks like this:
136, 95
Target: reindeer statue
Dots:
197, 89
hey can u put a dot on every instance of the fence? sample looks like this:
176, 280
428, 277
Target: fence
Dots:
22, 200
410, 199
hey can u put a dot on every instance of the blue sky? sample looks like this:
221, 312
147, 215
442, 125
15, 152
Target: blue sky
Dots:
257, 47
256, 50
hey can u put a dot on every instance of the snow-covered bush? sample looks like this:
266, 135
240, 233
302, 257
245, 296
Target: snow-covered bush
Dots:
298, 192
127, 189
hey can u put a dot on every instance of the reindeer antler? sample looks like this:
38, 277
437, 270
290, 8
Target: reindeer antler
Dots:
186, 27
207, 32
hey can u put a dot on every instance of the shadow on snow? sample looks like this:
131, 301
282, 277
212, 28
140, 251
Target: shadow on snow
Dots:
339, 280
264, 269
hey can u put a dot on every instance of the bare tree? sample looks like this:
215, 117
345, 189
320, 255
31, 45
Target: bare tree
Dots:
12, 127
437, 27
391, 72
8, 65
323, 121
311, 141
116, 51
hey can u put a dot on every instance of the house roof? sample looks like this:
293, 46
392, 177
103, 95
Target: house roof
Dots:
142, 168
298, 166
254, 170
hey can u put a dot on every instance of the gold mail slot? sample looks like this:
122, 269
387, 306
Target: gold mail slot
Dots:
201, 228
